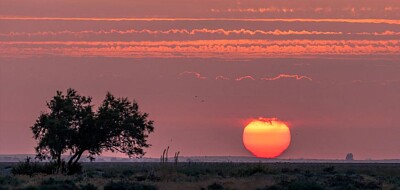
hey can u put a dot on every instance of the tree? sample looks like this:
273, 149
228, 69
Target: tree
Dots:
349, 157
72, 127
55, 129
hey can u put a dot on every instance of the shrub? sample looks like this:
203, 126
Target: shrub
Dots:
252, 170
9, 181
29, 168
298, 184
273, 187
127, 173
75, 169
88, 187
304, 186
128, 186
52, 184
215, 186
349, 182
350, 172
29, 188
285, 170
330, 169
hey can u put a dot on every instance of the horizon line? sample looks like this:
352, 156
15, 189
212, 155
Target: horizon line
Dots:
247, 157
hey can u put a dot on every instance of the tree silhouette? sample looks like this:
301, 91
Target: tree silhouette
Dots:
72, 127
349, 157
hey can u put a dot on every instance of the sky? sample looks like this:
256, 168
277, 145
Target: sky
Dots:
203, 69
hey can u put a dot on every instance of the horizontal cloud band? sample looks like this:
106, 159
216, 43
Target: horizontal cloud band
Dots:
204, 48
327, 20
197, 75
184, 31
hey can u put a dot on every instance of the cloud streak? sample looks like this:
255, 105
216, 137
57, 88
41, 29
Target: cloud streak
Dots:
226, 49
311, 9
287, 76
220, 31
193, 74
247, 77
312, 20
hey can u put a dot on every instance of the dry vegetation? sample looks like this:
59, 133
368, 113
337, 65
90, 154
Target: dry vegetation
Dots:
253, 176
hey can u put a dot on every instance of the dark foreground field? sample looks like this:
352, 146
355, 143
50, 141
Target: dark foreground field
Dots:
263, 176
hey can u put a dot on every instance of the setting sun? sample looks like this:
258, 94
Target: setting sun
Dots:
266, 137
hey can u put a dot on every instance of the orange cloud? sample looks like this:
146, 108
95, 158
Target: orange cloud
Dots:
365, 21
226, 49
385, 33
274, 9
220, 31
256, 10
245, 78
248, 77
283, 76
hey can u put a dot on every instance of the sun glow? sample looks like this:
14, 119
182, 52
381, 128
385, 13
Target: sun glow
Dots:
266, 137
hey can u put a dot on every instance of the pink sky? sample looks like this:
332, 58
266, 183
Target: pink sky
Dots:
329, 68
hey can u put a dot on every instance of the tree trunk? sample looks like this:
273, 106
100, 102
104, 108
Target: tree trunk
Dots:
71, 160
75, 158
79, 157
59, 164
72, 166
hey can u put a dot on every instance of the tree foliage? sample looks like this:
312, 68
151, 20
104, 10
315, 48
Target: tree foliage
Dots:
71, 126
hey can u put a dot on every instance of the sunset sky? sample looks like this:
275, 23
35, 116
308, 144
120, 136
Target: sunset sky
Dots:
203, 69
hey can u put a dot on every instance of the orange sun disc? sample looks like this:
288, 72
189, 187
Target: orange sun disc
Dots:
266, 137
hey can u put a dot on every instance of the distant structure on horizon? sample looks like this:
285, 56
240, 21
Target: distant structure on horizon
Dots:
349, 157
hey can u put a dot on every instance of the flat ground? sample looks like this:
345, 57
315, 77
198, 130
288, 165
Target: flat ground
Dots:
252, 176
